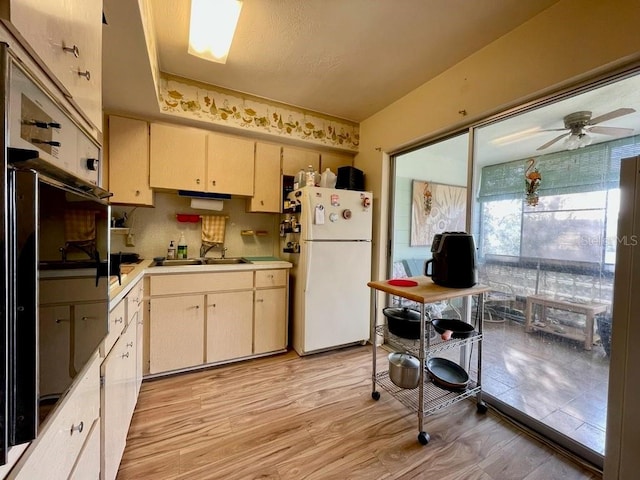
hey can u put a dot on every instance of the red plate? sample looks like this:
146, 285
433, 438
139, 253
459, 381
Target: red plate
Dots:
401, 282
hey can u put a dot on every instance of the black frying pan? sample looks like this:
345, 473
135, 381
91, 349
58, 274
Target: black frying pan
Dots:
447, 374
458, 328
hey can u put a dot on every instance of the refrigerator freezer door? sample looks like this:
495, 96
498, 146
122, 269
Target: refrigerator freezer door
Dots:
331, 214
335, 306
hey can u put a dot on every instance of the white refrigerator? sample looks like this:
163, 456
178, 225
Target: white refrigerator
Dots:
330, 297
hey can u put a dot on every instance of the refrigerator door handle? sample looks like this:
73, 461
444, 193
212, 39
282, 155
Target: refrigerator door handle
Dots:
308, 250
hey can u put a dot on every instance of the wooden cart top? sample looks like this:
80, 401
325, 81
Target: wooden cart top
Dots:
426, 291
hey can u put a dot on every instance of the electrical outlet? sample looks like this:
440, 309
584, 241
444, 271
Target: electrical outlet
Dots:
131, 241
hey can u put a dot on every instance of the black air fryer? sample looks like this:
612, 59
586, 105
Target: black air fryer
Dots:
454, 260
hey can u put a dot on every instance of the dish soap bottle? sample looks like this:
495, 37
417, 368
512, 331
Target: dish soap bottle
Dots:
171, 251
182, 246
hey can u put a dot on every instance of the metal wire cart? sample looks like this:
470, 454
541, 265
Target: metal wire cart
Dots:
428, 397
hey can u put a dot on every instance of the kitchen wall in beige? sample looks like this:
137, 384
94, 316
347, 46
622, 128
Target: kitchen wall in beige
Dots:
153, 228
568, 43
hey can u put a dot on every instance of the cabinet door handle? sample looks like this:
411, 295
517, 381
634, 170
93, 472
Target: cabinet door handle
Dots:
60, 320
77, 428
212, 305
75, 51
137, 193
87, 318
262, 203
213, 182
125, 355
119, 320
259, 300
129, 345
86, 74
196, 307
198, 181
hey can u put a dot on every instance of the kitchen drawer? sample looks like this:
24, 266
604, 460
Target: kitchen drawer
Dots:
88, 463
116, 324
134, 300
54, 453
200, 282
271, 278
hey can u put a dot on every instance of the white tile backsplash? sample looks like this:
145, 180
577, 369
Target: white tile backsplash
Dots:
153, 228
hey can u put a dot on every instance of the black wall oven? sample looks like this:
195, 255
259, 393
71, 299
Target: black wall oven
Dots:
54, 253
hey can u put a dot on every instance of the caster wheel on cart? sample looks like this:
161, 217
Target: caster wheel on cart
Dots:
482, 407
423, 438
375, 395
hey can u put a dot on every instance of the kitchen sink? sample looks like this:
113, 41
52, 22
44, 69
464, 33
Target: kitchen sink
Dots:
198, 261
178, 262
223, 261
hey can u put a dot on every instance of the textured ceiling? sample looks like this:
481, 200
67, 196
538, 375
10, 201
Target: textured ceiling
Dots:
345, 58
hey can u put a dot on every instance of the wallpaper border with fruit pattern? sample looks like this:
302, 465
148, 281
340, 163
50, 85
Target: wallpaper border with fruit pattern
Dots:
190, 99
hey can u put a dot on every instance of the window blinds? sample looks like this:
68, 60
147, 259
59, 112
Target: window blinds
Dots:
596, 167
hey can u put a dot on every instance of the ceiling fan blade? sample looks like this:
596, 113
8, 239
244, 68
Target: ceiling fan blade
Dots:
615, 131
551, 142
553, 130
611, 115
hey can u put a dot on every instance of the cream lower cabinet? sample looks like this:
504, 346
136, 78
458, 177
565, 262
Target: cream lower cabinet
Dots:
118, 400
229, 325
244, 314
269, 328
176, 333
63, 444
121, 373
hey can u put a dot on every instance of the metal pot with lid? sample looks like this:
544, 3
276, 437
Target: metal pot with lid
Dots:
404, 370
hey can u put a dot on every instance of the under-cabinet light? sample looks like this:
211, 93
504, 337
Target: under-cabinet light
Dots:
211, 28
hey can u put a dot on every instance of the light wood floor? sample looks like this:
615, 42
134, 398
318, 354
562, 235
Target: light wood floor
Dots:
287, 417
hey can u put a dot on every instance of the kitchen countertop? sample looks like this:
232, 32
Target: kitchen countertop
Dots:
118, 292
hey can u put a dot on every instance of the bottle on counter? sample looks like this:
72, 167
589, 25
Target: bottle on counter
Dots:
182, 246
311, 177
300, 180
171, 251
328, 179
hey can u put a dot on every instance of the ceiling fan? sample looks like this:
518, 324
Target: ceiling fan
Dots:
580, 124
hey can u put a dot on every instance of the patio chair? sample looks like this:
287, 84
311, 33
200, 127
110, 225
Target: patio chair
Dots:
499, 301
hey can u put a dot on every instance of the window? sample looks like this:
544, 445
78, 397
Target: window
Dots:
575, 220
578, 227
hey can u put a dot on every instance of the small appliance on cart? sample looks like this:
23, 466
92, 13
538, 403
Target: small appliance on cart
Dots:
440, 382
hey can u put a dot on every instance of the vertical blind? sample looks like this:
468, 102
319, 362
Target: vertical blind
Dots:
596, 167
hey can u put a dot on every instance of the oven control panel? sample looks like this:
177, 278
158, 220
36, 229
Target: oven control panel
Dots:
37, 122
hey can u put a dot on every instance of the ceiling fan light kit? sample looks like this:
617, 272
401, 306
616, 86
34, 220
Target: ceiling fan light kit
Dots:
580, 124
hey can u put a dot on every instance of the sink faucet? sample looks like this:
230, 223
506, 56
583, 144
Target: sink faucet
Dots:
224, 251
205, 247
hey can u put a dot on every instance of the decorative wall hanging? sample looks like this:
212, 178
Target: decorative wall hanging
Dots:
436, 208
532, 180
209, 103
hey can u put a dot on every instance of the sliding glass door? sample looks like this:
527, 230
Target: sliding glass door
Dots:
544, 203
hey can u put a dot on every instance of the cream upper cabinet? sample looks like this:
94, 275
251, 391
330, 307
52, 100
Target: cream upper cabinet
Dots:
129, 161
177, 157
268, 187
335, 160
230, 164
296, 159
66, 37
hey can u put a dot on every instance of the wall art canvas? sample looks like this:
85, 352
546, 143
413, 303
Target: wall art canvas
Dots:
436, 208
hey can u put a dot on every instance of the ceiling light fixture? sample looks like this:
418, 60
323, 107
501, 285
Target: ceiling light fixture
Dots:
211, 28
577, 140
